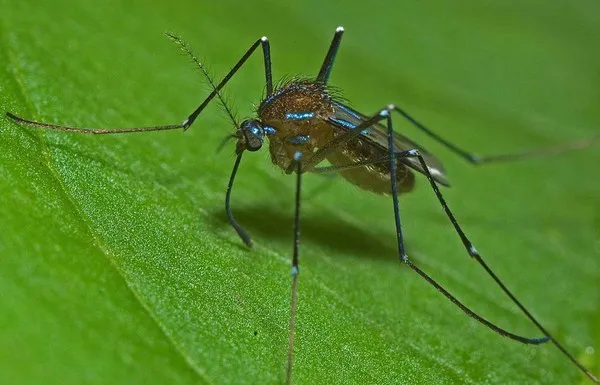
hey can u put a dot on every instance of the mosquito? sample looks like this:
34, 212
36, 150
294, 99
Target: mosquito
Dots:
307, 124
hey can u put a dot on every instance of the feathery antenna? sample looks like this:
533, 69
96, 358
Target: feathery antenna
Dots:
185, 48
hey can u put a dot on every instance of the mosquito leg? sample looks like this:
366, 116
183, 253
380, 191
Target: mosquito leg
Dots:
327, 65
239, 229
477, 159
392, 158
263, 41
295, 268
470, 248
468, 245
56, 127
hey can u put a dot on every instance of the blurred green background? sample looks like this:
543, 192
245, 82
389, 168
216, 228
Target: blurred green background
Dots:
117, 264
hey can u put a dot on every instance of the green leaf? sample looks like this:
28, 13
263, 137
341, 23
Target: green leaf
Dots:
118, 266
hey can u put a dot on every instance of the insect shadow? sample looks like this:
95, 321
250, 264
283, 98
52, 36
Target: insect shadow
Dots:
341, 236
307, 124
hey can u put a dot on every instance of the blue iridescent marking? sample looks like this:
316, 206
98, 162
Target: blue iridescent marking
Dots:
299, 115
300, 139
269, 100
343, 123
255, 130
348, 110
295, 271
269, 130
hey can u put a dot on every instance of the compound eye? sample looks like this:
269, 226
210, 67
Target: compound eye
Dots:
253, 143
253, 135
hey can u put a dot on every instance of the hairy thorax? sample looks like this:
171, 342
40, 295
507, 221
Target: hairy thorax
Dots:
299, 113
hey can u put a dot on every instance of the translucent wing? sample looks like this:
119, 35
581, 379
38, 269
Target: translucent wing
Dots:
349, 118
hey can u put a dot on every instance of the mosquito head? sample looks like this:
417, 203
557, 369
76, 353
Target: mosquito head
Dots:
250, 135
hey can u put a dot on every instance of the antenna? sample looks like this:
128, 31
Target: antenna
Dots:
185, 48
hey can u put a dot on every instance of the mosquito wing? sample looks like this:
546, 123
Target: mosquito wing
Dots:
349, 118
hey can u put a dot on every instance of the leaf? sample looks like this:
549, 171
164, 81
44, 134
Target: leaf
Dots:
117, 264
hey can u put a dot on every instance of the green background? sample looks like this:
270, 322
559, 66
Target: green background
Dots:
117, 265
